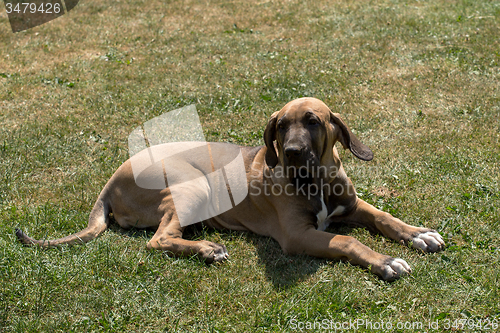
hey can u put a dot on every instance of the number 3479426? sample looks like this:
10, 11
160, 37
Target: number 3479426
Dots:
27, 7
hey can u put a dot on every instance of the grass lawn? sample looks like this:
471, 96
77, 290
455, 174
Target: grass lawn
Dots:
418, 81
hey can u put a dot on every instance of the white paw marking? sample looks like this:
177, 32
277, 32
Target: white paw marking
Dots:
429, 241
221, 256
397, 268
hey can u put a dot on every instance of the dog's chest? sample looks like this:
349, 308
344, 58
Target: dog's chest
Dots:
323, 217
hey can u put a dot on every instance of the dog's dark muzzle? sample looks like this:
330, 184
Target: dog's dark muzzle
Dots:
298, 163
297, 156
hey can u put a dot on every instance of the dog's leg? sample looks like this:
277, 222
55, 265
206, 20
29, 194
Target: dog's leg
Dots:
427, 240
168, 238
326, 245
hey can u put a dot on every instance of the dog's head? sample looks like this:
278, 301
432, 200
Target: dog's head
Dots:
305, 131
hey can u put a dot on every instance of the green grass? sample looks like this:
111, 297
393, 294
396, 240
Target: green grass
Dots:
418, 81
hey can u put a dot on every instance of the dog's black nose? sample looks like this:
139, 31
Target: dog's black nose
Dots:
293, 152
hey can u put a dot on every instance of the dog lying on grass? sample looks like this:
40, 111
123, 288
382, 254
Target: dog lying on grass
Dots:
296, 187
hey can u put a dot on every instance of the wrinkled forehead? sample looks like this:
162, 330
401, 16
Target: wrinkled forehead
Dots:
299, 108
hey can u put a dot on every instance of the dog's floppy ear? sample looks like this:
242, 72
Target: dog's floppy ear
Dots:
350, 141
269, 137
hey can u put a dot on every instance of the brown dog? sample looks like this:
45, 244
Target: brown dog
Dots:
296, 188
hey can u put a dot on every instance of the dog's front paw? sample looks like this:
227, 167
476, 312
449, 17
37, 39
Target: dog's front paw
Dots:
428, 241
391, 268
213, 252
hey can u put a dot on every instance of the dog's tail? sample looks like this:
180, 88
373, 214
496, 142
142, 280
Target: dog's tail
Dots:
98, 222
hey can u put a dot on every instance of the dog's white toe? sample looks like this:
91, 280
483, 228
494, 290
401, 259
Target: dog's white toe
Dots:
395, 268
429, 241
221, 254
400, 267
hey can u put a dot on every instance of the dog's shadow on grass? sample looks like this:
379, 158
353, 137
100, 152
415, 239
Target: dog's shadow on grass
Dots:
284, 270
146, 233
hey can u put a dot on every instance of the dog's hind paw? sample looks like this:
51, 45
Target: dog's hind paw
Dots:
220, 256
213, 252
429, 241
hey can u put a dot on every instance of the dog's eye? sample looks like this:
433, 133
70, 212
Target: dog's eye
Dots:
281, 126
313, 122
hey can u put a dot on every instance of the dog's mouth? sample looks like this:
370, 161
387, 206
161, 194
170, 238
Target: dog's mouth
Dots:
302, 172
301, 169
300, 175
301, 180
